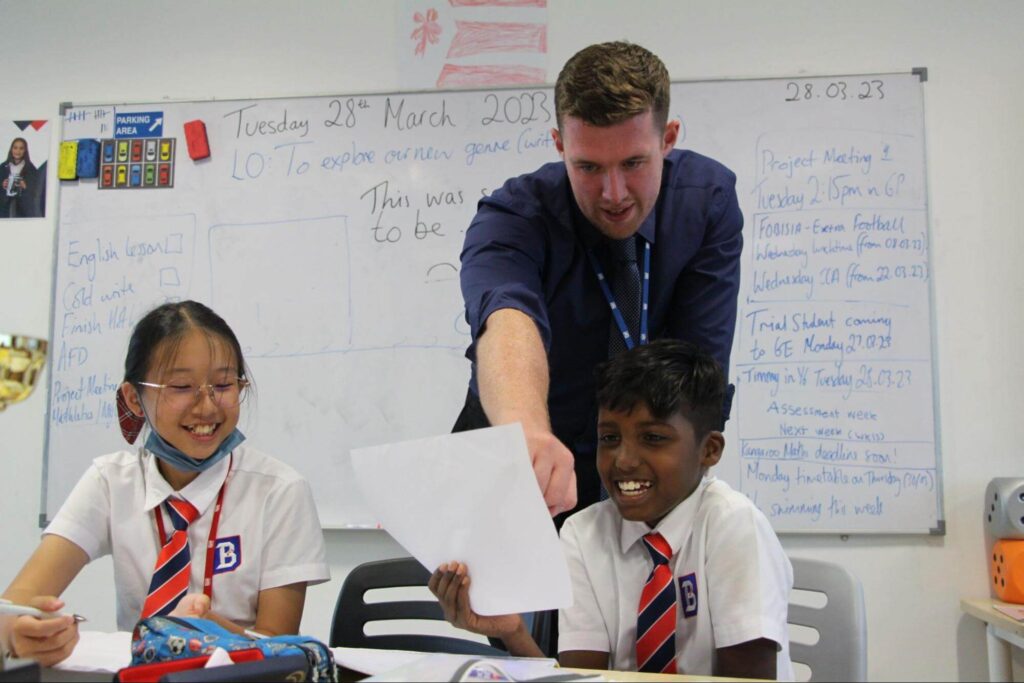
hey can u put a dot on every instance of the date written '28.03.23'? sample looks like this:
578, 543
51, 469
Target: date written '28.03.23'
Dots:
800, 91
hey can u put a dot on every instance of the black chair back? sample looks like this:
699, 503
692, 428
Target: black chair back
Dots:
352, 612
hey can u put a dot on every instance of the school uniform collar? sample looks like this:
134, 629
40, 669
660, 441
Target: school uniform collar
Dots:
675, 527
201, 491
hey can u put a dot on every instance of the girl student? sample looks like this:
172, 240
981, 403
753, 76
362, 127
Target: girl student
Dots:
197, 523
19, 193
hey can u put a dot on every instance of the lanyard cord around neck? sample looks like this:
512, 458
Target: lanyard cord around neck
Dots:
645, 284
208, 572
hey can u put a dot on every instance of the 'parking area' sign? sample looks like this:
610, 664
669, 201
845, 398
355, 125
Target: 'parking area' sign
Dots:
139, 124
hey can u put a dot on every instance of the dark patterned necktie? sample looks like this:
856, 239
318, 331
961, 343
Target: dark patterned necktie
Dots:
625, 285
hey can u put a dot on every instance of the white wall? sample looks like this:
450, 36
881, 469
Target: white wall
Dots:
118, 50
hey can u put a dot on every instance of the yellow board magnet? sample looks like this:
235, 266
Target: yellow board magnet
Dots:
67, 167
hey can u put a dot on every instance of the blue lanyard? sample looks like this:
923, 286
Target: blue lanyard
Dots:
644, 296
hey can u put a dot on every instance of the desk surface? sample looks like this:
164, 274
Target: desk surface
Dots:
98, 655
627, 676
983, 609
58, 676
653, 678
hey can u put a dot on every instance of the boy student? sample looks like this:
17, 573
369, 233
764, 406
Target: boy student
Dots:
676, 572
553, 256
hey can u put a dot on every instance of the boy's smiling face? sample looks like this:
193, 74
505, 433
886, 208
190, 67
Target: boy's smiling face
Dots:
649, 465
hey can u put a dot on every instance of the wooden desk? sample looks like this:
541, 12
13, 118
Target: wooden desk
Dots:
1001, 633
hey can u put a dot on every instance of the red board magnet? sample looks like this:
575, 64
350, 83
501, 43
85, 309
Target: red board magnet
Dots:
195, 136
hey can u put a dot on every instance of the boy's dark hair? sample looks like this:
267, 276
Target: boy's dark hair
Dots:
169, 324
667, 376
608, 83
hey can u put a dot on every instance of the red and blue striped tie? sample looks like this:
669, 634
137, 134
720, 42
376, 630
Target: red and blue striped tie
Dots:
173, 565
656, 621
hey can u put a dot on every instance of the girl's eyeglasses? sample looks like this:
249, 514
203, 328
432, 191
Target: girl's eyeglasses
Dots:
226, 393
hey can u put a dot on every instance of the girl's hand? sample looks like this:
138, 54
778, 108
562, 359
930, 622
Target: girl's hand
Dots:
48, 641
450, 584
194, 605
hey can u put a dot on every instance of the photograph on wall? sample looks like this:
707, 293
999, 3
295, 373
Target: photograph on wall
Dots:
23, 171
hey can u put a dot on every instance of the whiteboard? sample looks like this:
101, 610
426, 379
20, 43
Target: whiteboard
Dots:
327, 232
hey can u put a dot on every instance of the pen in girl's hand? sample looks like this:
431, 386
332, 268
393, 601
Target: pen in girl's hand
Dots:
8, 607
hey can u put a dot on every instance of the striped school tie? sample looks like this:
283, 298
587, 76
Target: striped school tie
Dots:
173, 565
656, 622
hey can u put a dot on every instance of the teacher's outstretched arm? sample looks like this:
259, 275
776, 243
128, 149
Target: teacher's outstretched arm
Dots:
512, 372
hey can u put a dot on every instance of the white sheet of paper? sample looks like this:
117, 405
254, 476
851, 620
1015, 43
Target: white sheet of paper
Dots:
375, 662
443, 667
1012, 611
97, 651
219, 657
471, 497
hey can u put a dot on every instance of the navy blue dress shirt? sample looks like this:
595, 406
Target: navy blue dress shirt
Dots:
526, 249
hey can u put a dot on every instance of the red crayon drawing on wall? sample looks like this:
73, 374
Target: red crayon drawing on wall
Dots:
428, 31
455, 76
484, 42
475, 37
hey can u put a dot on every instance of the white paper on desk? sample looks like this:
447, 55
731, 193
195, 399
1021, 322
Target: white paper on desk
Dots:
442, 667
99, 652
219, 657
471, 497
392, 664
1012, 611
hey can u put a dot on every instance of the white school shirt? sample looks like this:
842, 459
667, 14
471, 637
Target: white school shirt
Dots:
269, 534
732, 579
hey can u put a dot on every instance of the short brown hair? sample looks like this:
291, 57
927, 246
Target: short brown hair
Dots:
608, 83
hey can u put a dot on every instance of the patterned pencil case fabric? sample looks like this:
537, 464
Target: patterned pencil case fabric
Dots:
166, 639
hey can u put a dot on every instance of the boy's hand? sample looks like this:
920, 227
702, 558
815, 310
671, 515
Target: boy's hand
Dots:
450, 584
48, 641
194, 605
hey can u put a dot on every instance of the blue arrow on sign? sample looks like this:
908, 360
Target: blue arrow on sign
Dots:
139, 124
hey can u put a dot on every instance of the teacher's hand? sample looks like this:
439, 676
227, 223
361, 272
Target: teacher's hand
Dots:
553, 465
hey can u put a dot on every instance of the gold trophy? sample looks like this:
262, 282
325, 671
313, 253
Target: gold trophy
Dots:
21, 363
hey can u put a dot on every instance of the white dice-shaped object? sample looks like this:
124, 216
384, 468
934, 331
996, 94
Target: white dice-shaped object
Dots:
1004, 508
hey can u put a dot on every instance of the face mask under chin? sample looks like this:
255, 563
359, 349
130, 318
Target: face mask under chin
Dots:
160, 447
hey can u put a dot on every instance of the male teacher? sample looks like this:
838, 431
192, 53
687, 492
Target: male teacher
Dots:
625, 240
